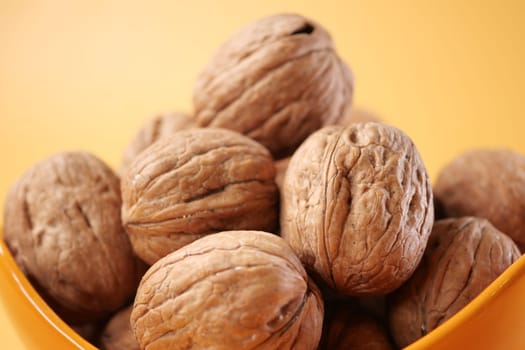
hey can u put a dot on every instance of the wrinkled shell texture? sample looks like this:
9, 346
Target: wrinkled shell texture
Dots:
62, 223
231, 290
488, 184
351, 328
118, 334
154, 129
464, 256
276, 81
198, 182
357, 207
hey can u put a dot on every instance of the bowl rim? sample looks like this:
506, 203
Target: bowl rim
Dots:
463, 316
26, 289
472, 309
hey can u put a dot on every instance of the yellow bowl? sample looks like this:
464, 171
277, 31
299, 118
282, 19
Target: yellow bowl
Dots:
494, 320
36, 323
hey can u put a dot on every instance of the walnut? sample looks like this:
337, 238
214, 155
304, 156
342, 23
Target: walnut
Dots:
118, 334
357, 208
350, 327
230, 290
357, 115
89, 331
374, 305
276, 81
62, 224
199, 181
464, 256
488, 184
280, 166
160, 126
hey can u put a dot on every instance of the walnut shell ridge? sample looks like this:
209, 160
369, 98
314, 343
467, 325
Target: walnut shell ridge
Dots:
277, 80
489, 184
197, 182
356, 206
160, 126
464, 256
230, 290
62, 224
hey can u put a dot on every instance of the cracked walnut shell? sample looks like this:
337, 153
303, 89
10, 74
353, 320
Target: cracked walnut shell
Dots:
277, 80
356, 206
197, 182
488, 184
230, 290
464, 256
62, 224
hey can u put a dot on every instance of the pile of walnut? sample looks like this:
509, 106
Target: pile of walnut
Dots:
335, 247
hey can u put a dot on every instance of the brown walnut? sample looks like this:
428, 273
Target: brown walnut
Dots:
357, 115
280, 166
90, 331
62, 224
356, 206
197, 182
350, 327
158, 127
118, 334
488, 184
464, 255
230, 290
276, 80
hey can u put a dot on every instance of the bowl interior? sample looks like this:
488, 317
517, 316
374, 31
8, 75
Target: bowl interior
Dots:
36, 323
493, 320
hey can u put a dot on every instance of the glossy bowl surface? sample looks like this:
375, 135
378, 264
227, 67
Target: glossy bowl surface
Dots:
494, 320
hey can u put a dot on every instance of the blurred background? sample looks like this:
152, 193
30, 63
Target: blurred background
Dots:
86, 74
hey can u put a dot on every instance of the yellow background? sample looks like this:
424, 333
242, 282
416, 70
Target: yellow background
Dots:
86, 74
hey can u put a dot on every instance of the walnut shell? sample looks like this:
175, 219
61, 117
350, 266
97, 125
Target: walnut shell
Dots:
280, 166
357, 207
62, 224
357, 115
276, 81
230, 290
488, 184
464, 256
350, 327
118, 334
89, 331
198, 182
158, 127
